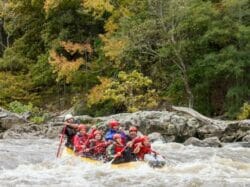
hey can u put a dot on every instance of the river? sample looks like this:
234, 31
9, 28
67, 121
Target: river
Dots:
32, 162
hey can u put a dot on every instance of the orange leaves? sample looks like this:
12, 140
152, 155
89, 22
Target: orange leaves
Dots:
73, 48
64, 67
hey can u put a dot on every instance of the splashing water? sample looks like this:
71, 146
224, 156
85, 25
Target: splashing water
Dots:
32, 162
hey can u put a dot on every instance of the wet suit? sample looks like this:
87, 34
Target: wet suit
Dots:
70, 132
129, 151
115, 148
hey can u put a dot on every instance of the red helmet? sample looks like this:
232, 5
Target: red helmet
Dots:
82, 127
116, 136
113, 123
132, 128
97, 132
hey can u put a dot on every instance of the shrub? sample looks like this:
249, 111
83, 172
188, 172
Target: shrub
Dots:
38, 119
245, 112
20, 108
37, 115
130, 91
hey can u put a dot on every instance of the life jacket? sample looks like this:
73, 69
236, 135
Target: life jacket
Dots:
136, 140
70, 133
144, 150
110, 133
118, 148
99, 147
79, 140
92, 133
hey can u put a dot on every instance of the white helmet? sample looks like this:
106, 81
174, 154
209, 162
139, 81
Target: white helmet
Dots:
68, 116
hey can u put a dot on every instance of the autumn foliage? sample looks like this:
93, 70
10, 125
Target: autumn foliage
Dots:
193, 52
98, 7
130, 89
65, 67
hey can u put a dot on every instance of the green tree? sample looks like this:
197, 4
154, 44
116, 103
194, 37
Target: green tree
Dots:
195, 51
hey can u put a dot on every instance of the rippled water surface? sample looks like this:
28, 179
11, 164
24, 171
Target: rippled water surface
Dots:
32, 162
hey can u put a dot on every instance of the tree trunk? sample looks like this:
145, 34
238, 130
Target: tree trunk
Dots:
188, 90
182, 67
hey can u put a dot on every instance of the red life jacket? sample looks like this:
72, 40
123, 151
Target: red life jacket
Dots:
136, 141
80, 140
92, 133
118, 148
99, 147
144, 150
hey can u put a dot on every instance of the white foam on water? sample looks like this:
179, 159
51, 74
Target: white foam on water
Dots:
33, 163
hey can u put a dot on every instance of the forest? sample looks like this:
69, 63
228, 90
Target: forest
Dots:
111, 56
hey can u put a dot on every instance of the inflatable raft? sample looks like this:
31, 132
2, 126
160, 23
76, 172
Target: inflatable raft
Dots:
126, 165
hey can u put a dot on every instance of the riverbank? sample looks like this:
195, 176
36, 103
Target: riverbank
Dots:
182, 125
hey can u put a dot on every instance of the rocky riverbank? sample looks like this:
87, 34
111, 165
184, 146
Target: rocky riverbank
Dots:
178, 125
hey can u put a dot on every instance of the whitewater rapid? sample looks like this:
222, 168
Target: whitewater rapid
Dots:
32, 162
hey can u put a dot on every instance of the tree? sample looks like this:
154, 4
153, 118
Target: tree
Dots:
66, 67
180, 43
14, 87
131, 90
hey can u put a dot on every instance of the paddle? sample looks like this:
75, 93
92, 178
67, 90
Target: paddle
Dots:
61, 140
89, 149
156, 153
117, 155
90, 136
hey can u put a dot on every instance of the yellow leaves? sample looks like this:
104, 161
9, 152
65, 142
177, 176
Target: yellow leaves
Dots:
110, 26
98, 7
64, 67
51, 4
244, 112
134, 79
96, 94
131, 90
113, 47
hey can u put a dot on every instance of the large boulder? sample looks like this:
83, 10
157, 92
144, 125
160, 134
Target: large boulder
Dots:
244, 125
207, 142
156, 136
9, 119
196, 142
177, 125
213, 142
246, 138
210, 130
